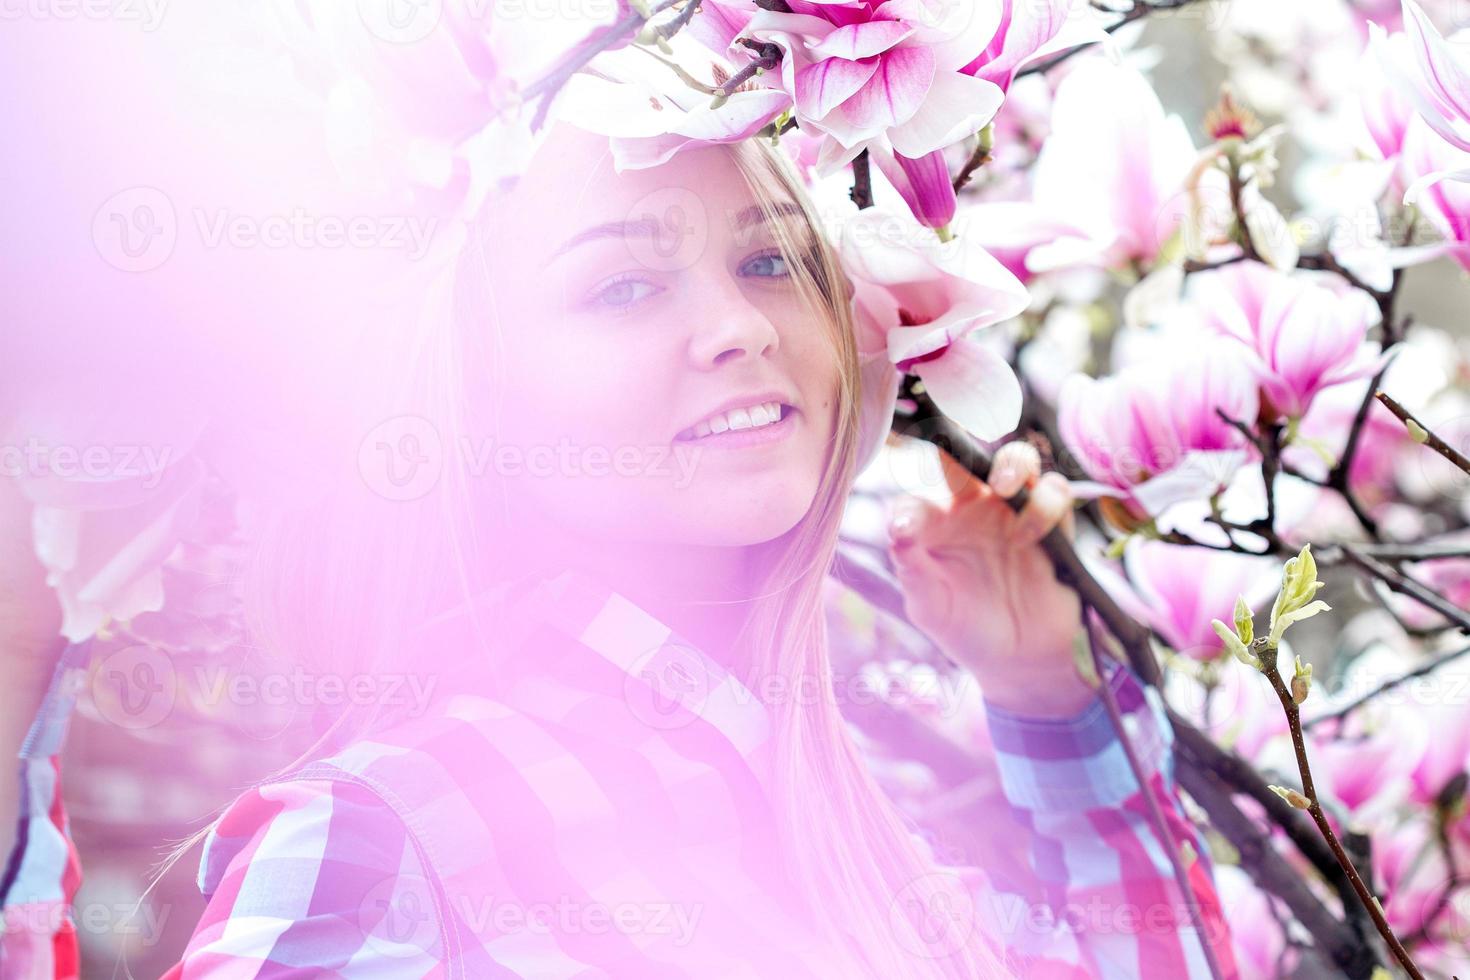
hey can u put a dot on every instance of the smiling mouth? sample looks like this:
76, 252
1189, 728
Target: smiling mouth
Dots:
752, 418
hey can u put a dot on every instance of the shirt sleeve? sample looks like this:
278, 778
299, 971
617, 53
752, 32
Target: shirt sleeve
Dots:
1110, 905
40, 877
311, 878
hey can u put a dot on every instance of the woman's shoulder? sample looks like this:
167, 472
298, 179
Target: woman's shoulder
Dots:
312, 873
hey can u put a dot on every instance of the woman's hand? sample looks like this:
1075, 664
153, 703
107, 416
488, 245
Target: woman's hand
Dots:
977, 582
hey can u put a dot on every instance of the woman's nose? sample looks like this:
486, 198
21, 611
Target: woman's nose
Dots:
728, 326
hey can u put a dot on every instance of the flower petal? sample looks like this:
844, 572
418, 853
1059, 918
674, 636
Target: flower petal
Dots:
974, 385
822, 87
956, 106
895, 92
861, 40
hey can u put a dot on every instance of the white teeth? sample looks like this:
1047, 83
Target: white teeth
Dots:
753, 417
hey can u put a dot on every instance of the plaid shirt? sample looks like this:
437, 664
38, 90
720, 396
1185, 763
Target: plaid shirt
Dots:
606, 815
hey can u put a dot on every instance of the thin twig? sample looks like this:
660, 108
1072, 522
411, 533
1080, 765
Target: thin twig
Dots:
1420, 432
1314, 809
1276, 876
1404, 585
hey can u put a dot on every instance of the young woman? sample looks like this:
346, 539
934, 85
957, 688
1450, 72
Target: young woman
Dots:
634, 763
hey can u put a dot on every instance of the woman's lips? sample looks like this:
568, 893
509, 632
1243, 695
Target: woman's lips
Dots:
745, 438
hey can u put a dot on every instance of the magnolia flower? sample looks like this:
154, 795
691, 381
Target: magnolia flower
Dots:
430, 103
1444, 204
1385, 109
926, 297
1261, 949
1151, 433
1436, 77
1027, 29
1301, 337
1115, 165
650, 114
1184, 588
887, 75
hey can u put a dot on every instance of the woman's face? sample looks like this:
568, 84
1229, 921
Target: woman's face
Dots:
650, 332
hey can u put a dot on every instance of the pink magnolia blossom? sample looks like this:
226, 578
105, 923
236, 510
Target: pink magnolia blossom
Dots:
1261, 950
1385, 110
1301, 336
1150, 433
1114, 165
925, 298
886, 74
1360, 764
429, 105
1183, 588
1410, 872
1437, 78
650, 114
1026, 29
103, 528
1444, 204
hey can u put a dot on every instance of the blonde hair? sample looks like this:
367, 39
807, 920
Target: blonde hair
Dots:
859, 871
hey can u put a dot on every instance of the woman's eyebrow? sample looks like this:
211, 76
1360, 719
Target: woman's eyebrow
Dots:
642, 228
756, 214
648, 227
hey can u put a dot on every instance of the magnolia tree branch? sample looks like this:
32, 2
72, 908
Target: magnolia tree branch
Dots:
1334, 939
1404, 585
1421, 434
1307, 800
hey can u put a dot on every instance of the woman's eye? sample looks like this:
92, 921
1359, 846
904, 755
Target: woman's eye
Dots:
621, 294
767, 264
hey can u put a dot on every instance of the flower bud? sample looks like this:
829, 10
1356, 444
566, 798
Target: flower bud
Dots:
1294, 602
1232, 643
1293, 797
1301, 681
1245, 625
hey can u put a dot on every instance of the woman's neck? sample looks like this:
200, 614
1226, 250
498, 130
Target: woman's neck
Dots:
703, 593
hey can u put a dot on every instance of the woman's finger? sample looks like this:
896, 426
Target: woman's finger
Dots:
1048, 505
910, 522
1017, 464
962, 483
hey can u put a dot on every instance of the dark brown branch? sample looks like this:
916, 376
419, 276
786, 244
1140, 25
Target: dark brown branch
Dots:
1273, 874
1314, 809
1404, 585
1430, 439
862, 181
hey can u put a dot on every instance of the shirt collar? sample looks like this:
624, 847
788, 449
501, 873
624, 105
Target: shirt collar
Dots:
670, 680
